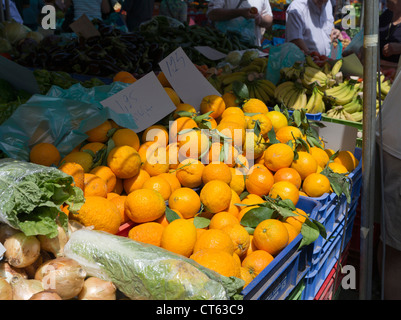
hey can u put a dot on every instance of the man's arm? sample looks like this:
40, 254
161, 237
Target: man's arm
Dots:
300, 44
265, 21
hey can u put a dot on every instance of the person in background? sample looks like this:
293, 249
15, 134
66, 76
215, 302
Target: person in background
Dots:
93, 9
137, 11
177, 9
14, 13
31, 13
310, 25
220, 10
390, 34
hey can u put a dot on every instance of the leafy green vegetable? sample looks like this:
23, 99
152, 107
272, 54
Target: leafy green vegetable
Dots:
143, 271
31, 196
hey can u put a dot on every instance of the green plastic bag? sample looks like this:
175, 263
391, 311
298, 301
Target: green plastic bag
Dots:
61, 117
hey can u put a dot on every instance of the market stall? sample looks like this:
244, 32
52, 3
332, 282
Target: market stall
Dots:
131, 136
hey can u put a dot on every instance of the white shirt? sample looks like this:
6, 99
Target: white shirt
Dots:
391, 115
305, 21
14, 14
263, 7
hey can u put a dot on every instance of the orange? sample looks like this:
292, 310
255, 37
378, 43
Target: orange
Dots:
157, 160
214, 239
45, 154
216, 171
316, 185
347, 159
119, 201
94, 186
192, 144
278, 156
111, 195
243, 211
179, 236
254, 146
210, 121
264, 123
136, 182
100, 213
288, 174
259, 182
178, 125
124, 161
183, 107
163, 219
242, 163
222, 219
329, 152
163, 80
234, 206
171, 179
212, 103
297, 220
252, 199
320, 156
257, 261
99, 133
254, 106
234, 131
124, 76
186, 201
76, 171
240, 238
158, 184
246, 276
237, 180
288, 133
144, 205
338, 167
292, 232
173, 95
145, 149
236, 118
218, 261
172, 154
285, 190
219, 152
215, 196
126, 137
148, 232
93, 146
155, 133
270, 235
277, 119
251, 247
82, 158
107, 175
230, 100
305, 164
189, 173
119, 188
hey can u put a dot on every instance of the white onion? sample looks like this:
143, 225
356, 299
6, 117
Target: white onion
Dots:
6, 291
54, 245
24, 289
21, 250
63, 276
97, 289
8, 272
45, 295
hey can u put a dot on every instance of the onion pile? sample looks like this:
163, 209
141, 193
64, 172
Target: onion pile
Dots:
34, 268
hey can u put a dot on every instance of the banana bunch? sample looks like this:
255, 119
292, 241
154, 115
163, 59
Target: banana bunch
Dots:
291, 94
256, 65
354, 106
340, 113
341, 94
312, 76
315, 103
385, 86
291, 73
262, 89
228, 79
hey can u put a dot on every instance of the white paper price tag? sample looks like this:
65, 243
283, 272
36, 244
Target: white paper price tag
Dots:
186, 80
2, 250
145, 100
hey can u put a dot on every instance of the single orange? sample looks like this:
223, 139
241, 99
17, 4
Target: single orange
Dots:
271, 236
288, 174
285, 190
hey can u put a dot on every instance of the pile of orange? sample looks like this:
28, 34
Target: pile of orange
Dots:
146, 173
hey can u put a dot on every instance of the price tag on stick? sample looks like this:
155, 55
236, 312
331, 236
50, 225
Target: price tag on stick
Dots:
145, 100
190, 85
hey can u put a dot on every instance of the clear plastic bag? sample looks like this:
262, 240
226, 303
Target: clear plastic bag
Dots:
243, 28
61, 117
146, 272
282, 56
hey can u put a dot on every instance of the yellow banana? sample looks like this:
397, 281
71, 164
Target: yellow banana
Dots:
336, 67
311, 101
236, 76
290, 98
315, 74
283, 87
264, 96
301, 101
311, 63
268, 88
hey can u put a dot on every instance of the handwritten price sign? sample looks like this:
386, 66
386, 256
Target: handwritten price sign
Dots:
145, 100
186, 80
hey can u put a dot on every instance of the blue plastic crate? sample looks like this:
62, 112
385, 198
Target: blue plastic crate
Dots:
310, 116
287, 269
324, 260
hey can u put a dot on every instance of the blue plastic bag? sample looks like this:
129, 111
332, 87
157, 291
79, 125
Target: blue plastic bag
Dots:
282, 56
61, 117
